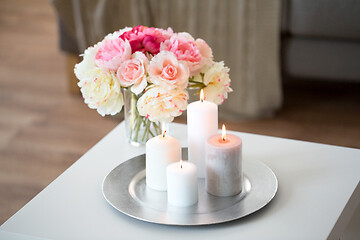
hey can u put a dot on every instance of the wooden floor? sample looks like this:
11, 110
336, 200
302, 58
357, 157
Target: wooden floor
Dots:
44, 129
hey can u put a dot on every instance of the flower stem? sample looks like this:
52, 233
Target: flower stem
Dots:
157, 128
141, 128
197, 85
137, 128
147, 129
132, 115
151, 133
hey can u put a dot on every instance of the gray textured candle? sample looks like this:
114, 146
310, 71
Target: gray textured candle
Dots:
223, 165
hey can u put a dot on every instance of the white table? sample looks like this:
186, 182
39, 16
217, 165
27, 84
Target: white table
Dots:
318, 191
16, 236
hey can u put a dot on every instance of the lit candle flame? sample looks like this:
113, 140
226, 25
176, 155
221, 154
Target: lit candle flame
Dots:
181, 163
202, 95
163, 129
223, 132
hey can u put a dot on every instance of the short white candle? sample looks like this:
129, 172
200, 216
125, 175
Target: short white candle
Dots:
223, 165
202, 122
182, 184
161, 151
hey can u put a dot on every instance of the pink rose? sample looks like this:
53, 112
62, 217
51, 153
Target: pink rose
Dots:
132, 72
111, 53
166, 71
146, 39
185, 49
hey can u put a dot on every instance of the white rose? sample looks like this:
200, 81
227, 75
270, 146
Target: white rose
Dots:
217, 82
159, 104
101, 91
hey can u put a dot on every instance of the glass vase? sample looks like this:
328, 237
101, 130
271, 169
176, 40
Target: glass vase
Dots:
139, 129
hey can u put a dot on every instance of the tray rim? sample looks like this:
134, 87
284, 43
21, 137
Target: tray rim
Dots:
254, 162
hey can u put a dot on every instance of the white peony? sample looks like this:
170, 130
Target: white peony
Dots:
217, 82
159, 104
101, 91
100, 88
84, 70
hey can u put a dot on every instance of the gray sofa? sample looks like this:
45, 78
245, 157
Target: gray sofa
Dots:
321, 39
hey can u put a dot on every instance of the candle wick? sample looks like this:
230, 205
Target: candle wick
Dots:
202, 100
163, 135
181, 165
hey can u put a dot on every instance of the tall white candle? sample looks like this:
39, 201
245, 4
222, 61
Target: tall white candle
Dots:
223, 165
182, 184
161, 151
202, 122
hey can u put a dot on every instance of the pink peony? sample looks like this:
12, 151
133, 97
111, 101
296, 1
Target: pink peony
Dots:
132, 72
166, 71
185, 48
146, 39
111, 53
205, 51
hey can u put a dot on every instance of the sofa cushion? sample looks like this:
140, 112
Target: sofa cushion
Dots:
312, 58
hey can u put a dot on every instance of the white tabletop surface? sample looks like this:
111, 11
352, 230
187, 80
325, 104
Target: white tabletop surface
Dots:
318, 191
4, 235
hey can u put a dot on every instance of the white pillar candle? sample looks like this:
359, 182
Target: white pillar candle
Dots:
161, 151
202, 122
182, 184
223, 165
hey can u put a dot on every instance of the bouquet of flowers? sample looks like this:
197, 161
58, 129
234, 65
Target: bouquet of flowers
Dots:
156, 67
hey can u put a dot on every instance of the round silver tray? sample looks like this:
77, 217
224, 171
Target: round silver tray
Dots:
125, 189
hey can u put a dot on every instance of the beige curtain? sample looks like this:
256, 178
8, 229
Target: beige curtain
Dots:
243, 33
